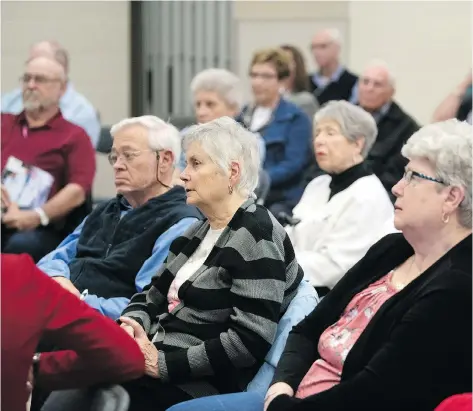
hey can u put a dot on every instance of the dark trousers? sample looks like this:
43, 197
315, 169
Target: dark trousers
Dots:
37, 243
145, 394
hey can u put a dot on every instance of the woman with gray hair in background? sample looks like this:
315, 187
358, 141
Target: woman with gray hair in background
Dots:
345, 211
216, 93
209, 316
396, 331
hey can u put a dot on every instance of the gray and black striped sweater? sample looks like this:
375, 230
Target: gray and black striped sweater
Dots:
215, 340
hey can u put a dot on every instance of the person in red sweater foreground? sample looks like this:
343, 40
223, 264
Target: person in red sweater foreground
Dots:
460, 402
33, 307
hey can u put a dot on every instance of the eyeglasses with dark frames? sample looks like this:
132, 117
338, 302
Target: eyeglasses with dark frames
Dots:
408, 174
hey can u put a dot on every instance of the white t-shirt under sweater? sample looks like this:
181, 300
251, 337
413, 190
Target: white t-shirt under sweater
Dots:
261, 117
194, 262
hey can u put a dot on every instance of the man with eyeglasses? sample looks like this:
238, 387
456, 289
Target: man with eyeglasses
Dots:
116, 250
376, 89
332, 81
74, 106
39, 136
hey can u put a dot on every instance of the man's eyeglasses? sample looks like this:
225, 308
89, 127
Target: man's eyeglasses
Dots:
408, 174
127, 156
37, 78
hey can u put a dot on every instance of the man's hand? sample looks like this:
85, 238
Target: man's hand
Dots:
21, 219
5, 198
280, 388
147, 347
67, 285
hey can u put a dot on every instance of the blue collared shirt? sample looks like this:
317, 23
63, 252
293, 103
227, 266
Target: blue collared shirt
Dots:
380, 113
74, 108
56, 264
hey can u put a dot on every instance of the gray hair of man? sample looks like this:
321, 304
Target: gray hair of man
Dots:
447, 146
55, 49
379, 63
226, 141
161, 135
354, 122
223, 82
335, 35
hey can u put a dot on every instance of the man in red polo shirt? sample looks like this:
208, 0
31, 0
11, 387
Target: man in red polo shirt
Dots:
39, 136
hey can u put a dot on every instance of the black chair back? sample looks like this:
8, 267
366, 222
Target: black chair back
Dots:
105, 141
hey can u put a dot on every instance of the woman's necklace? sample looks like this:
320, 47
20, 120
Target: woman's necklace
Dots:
398, 284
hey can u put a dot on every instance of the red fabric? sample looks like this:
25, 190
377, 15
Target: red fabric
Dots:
59, 147
33, 307
460, 402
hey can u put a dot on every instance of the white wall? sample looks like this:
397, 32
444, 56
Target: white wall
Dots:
97, 36
427, 43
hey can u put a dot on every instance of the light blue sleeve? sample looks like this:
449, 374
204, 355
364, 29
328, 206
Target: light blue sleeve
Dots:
12, 102
56, 263
113, 307
160, 252
301, 306
89, 121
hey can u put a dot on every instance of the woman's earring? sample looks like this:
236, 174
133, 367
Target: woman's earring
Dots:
230, 189
445, 218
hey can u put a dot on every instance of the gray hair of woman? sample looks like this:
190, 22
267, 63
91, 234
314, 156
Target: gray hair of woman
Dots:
222, 82
226, 141
354, 122
448, 148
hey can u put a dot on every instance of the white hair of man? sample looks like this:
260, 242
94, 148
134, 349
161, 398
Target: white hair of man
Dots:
335, 35
378, 63
226, 141
161, 135
447, 146
222, 82
354, 122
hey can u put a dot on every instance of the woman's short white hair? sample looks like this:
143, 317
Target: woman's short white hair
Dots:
223, 82
226, 141
447, 146
354, 122
161, 135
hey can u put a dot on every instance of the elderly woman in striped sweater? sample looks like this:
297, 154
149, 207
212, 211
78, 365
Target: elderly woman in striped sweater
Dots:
209, 316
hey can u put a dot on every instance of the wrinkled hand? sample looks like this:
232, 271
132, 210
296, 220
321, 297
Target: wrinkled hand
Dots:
21, 219
280, 388
5, 198
128, 329
147, 347
67, 285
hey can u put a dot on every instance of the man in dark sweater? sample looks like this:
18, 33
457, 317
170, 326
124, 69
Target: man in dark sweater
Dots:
332, 81
118, 248
376, 90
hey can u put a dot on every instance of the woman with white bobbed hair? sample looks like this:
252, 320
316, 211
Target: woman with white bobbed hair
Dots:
209, 316
216, 93
396, 332
345, 211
